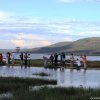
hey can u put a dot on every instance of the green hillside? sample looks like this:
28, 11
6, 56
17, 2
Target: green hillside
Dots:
87, 45
60, 44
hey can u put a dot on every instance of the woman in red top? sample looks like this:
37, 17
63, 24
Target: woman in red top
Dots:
84, 60
1, 58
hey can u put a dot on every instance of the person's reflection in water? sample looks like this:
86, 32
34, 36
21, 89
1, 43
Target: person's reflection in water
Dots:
84, 78
62, 77
55, 69
61, 69
71, 70
71, 77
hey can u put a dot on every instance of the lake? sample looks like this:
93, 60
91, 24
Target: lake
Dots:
40, 56
66, 78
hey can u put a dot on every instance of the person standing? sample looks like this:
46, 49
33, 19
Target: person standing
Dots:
12, 58
8, 58
45, 59
72, 60
84, 60
63, 59
21, 58
56, 59
25, 59
78, 62
51, 60
1, 58
29, 59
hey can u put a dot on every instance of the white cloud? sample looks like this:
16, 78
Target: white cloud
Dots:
29, 44
23, 36
3, 15
59, 29
33, 32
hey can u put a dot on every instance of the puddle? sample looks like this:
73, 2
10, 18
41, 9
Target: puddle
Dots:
36, 88
66, 78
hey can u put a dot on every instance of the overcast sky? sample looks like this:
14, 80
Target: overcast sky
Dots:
36, 23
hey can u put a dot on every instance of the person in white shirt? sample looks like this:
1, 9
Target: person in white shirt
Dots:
45, 59
78, 62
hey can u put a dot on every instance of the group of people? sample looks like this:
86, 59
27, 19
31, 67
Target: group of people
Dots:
54, 61
24, 59
82, 61
8, 58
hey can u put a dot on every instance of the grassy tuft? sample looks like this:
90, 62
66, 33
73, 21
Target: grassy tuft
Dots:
41, 74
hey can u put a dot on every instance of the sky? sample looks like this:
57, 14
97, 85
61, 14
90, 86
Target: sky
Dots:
37, 23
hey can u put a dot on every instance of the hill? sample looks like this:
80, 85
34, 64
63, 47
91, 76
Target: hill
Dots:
58, 47
87, 45
60, 44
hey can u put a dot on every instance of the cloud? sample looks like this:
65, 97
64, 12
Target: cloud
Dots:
3, 15
35, 32
59, 28
30, 44
25, 40
29, 36
72, 1
20, 43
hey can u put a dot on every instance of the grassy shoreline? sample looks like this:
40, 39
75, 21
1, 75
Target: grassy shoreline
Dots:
14, 83
39, 63
19, 88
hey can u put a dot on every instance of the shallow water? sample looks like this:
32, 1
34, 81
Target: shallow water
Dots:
66, 78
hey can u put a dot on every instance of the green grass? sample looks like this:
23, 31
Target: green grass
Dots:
41, 74
56, 94
19, 87
65, 94
39, 63
12, 84
93, 64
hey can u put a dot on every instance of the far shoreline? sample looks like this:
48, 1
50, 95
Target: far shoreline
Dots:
40, 63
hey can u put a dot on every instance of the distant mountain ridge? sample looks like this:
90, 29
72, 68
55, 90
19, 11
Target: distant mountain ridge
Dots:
90, 46
86, 45
60, 44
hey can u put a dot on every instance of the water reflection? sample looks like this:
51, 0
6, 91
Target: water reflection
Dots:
84, 78
60, 77
65, 78
71, 77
